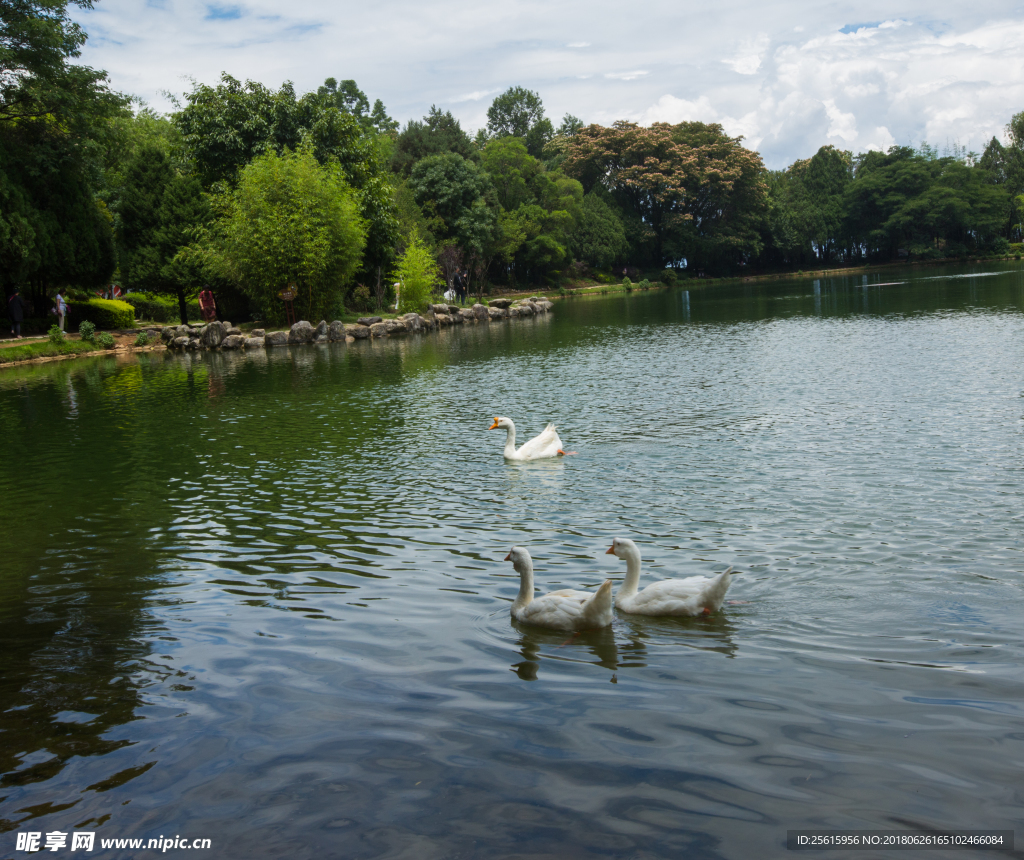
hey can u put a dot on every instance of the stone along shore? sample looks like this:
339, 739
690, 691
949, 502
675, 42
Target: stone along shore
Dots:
222, 335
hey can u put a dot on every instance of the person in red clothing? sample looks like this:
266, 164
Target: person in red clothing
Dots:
207, 306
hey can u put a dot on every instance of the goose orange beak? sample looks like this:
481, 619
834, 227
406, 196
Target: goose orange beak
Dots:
494, 425
610, 550
509, 556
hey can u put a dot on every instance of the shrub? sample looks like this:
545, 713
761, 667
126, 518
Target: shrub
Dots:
627, 283
106, 340
142, 339
160, 308
644, 284
87, 330
55, 334
418, 274
103, 313
668, 277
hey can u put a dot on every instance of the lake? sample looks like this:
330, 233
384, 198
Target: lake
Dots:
261, 598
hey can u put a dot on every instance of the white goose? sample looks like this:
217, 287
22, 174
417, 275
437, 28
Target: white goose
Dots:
567, 609
547, 444
691, 596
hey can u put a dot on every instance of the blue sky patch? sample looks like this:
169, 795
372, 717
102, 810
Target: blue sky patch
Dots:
853, 28
223, 13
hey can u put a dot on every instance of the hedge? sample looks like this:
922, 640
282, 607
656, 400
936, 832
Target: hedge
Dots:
160, 309
104, 313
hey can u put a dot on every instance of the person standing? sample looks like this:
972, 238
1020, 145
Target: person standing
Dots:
207, 305
62, 308
16, 311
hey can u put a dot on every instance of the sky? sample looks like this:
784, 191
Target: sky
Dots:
788, 77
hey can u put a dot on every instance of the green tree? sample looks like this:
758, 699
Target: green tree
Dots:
817, 191
519, 112
512, 171
598, 237
419, 276
437, 134
289, 220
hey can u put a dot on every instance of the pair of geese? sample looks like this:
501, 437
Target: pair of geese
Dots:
569, 609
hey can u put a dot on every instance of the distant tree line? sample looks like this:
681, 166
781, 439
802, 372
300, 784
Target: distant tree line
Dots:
251, 189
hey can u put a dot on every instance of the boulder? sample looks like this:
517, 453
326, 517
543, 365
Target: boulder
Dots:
545, 305
439, 309
455, 319
442, 319
226, 324
359, 332
301, 332
193, 343
179, 342
257, 332
497, 313
276, 338
395, 326
321, 338
183, 331
369, 321
413, 322
255, 343
321, 329
513, 313
232, 341
453, 310
336, 332
499, 303
480, 312
526, 309
467, 315
168, 334
234, 330
378, 329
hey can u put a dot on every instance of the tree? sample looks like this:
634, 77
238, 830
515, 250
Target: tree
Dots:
158, 210
289, 220
418, 275
598, 237
816, 196
226, 127
437, 134
687, 191
512, 170
519, 112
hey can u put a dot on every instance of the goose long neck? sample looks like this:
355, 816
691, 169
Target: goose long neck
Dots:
632, 580
510, 442
525, 586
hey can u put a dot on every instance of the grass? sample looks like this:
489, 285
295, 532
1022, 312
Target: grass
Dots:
45, 349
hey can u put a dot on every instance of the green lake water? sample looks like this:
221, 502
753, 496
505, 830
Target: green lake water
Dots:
261, 598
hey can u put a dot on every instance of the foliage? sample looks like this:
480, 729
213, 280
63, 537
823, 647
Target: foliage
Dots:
225, 128
690, 190
644, 285
55, 335
627, 283
289, 221
141, 339
106, 340
437, 134
103, 313
87, 330
149, 306
598, 236
519, 112
418, 275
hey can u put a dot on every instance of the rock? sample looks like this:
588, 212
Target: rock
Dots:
480, 312
378, 329
276, 338
193, 343
467, 315
413, 322
439, 309
369, 321
395, 326
359, 332
546, 305
255, 343
179, 342
302, 332
535, 299
321, 329
456, 319
168, 334
513, 313
497, 313
453, 310
152, 333
226, 324
336, 332
526, 310
500, 303
443, 319
321, 338
232, 341
183, 331
235, 330
257, 332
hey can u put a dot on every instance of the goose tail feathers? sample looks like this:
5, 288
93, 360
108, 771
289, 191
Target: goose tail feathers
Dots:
714, 595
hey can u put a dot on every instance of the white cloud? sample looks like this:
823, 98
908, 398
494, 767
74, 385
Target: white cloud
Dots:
748, 59
798, 76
